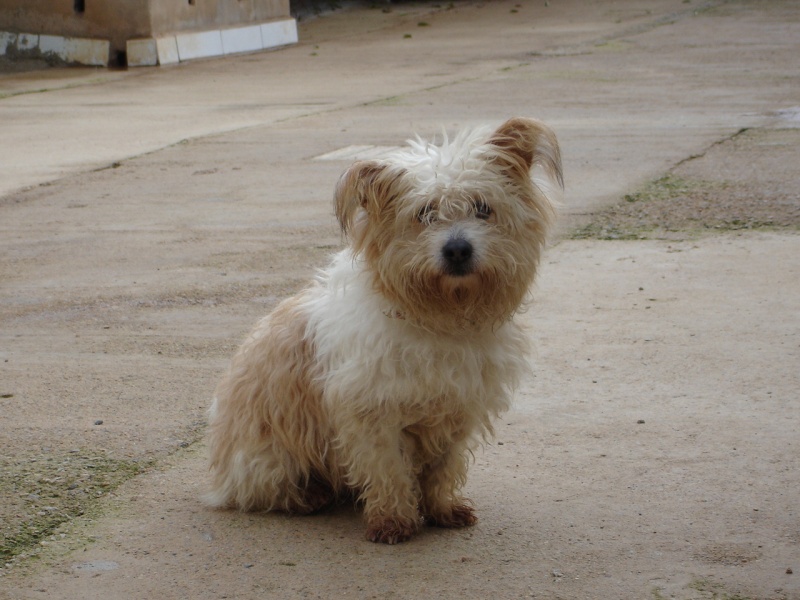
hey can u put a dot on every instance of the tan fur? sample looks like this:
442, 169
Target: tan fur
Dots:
275, 362
381, 379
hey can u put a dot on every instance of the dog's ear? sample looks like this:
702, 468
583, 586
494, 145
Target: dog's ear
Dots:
353, 192
366, 186
524, 143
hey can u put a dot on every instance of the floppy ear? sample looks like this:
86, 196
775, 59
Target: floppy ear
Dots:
352, 192
525, 143
366, 186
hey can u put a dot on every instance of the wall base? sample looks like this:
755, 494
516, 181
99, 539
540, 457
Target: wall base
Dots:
180, 47
71, 50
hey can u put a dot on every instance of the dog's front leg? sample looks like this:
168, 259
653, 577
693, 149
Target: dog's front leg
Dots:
379, 466
441, 480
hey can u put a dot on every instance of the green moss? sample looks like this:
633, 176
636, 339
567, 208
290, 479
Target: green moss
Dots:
714, 591
39, 495
666, 187
676, 207
609, 231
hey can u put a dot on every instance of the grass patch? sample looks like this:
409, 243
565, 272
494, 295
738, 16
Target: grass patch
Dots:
713, 591
675, 207
39, 494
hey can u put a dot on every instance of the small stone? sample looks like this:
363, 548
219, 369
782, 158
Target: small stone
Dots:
98, 422
789, 571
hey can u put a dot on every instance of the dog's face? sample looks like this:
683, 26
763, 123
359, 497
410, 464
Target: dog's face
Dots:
453, 233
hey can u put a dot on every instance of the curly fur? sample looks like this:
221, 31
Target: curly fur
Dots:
381, 378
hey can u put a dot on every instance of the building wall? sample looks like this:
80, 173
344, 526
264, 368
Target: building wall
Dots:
113, 20
169, 16
121, 20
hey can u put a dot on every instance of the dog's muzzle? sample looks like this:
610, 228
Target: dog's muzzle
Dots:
458, 257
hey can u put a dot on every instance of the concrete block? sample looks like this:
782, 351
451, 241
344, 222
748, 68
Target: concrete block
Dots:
142, 53
241, 39
199, 45
73, 50
53, 45
27, 41
167, 48
7, 40
87, 52
181, 47
279, 33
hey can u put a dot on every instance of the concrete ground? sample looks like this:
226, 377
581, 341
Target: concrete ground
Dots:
148, 218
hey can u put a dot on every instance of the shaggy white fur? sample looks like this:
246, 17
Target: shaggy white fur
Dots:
381, 378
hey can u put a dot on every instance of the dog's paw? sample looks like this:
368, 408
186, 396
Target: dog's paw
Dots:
460, 515
316, 497
391, 531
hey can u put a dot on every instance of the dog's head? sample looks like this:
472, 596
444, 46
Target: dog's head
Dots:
452, 234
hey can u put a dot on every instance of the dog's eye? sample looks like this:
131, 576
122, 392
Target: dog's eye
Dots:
425, 214
483, 211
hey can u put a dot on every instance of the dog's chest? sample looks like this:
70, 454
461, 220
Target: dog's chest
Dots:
369, 356
410, 372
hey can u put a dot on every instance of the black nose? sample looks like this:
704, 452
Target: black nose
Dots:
457, 254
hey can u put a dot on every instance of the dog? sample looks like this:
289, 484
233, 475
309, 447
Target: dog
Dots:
379, 380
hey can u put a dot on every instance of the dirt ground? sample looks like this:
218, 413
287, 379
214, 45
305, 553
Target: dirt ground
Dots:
654, 453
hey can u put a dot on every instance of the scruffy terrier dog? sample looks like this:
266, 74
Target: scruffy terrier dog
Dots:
379, 380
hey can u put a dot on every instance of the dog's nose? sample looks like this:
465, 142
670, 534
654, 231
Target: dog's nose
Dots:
457, 253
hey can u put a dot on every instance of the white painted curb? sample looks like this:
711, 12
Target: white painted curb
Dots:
83, 51
181, 47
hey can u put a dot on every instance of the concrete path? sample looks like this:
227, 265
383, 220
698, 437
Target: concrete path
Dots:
150, 217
